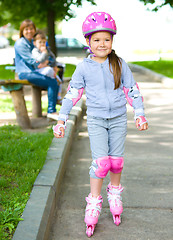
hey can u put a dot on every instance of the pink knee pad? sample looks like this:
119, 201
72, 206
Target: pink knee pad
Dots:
117, 164
104, 166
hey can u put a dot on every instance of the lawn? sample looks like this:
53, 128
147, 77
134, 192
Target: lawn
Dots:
6, 104
22, 156
162, 66
8, 74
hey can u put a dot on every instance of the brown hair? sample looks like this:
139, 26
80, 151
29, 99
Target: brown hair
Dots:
24, 24
39, 35
115, 66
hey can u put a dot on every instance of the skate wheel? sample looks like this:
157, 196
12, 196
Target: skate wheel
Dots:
117, 219
90, 230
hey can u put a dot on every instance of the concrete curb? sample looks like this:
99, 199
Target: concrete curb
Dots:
156, 77
40, 207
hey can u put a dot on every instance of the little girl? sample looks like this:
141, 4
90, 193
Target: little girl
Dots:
108, 82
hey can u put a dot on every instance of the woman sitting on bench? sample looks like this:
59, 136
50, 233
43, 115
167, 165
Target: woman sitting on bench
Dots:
26, 66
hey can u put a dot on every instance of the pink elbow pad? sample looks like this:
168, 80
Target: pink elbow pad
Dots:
130, 100
74, 94
75, 100
132, 89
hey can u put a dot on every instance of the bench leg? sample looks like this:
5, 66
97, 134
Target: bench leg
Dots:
20, 108
36, 102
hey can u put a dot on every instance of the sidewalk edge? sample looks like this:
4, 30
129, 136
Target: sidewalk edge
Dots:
156, 77
40, 207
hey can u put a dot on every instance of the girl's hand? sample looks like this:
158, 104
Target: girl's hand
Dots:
59, 131
142, 127
60, 135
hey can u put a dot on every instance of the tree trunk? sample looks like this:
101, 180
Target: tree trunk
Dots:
51, 28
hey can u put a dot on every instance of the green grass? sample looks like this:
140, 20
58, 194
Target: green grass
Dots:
22, 156
6, 74
6, 104
162, 66
69, 69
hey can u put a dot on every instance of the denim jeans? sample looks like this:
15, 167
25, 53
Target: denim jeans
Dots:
45, 82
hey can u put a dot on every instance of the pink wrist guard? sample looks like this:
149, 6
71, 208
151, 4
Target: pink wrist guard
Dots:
56, 128
142, 120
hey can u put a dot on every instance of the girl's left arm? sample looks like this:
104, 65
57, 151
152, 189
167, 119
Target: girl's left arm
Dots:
134, 97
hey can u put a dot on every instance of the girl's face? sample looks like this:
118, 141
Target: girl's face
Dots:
28, 32
101, 45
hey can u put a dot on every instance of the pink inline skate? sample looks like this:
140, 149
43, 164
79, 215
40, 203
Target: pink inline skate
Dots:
115, 203
92, 213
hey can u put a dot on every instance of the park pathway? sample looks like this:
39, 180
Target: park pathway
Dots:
147, 177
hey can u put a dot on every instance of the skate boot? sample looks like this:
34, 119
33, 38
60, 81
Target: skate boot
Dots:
92, 213
115, 203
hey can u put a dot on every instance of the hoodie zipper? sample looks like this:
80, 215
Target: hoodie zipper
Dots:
109, 105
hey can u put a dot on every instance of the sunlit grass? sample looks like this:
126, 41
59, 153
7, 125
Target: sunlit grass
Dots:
164, 67
69, 70
22, 155
6, 104
6, 74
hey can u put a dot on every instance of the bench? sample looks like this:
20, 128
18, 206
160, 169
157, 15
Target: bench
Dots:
16, 90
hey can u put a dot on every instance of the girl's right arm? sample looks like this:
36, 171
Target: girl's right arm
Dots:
73, 95
71, 98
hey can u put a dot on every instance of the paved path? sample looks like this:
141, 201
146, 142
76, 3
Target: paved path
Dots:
147, 178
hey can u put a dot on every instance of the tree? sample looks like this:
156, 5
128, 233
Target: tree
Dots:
162, 3
44, 13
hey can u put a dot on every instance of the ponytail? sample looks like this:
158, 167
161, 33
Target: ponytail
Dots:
115, 66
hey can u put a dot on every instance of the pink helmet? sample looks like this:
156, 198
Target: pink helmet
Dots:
98, 21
